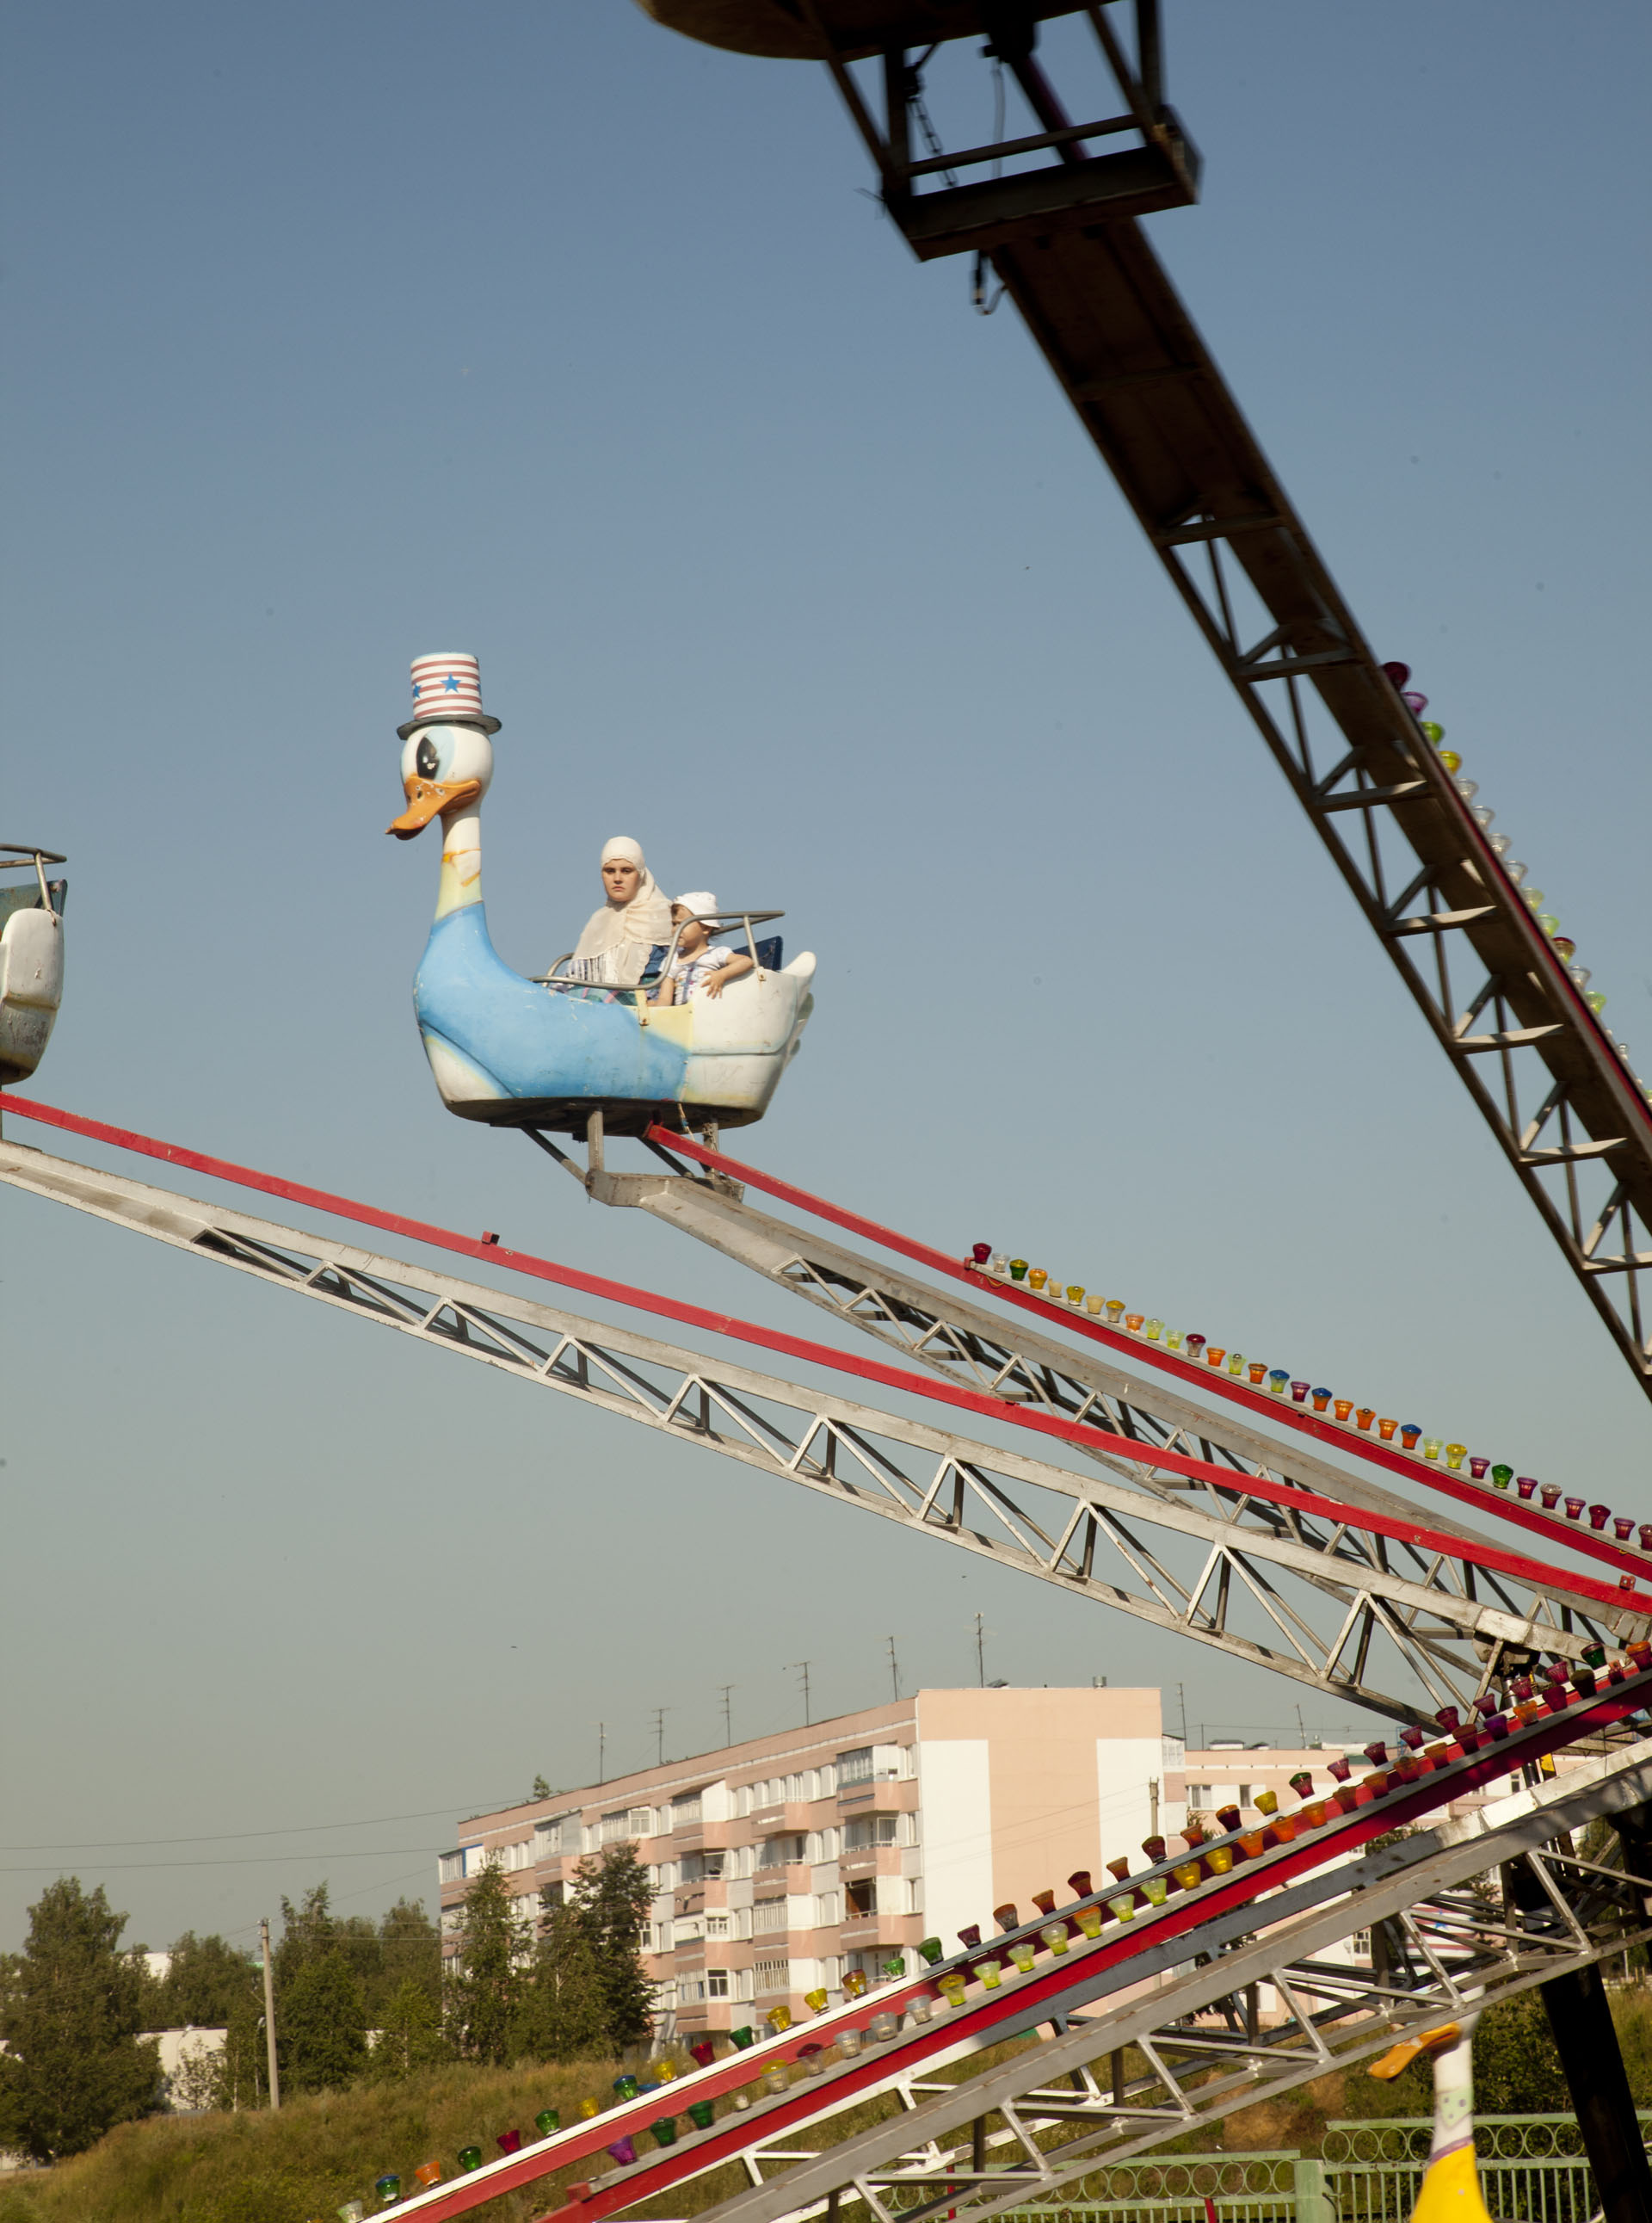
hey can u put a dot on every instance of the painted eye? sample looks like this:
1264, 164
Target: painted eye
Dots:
426, 759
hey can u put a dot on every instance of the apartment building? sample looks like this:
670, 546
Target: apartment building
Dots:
782, 1862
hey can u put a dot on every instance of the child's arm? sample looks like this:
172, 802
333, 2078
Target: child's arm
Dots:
667, 990
732, 971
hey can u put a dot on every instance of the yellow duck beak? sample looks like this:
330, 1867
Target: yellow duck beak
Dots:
427, 799
1395, 2061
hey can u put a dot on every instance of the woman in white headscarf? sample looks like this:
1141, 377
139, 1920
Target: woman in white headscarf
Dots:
635, 919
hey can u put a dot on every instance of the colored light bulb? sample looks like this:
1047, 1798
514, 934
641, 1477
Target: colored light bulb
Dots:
969, 1937
1044, 1901
1277, 1380
1195, 1346
854, 1984
703, 2052
1153, 1846
1646, 1536
1302, 1783
1229, 1817
1000, 1264
470, 2158
1432, 732
1549, 924
776, 2078
1566, 947
388, 2189
1220, 1858
1516, 871
1074, 1292
779, 2018
1155, 1329
548, 2122
932, 1948
1008, 1916
849, 2043
1409, 1432
1416, 703
1312, 1815
626, 2087
588, 2108
1078, 1883
1157, 1889
991, 1973
1134, 1322
1451, 760
1501, 845
1114, 1311
1018, 1269
1574, 1509
1094, 1302
1578, 975
1468, 789
894, 1966
1477, 1467
1214, 1353
1534, 899
1037, 1278
1252, 1843
1481, 817
1377, 1752
1267, 1802
1364, 1417
1236, 1363
1173, 1339
508, 2142
1090, 1921
428, 2173
1022, 1956
1055, 1935
1342, 1407
1397, 673
952, 1990
1187, 1875
1455, 1454
353, 2211
814, 2001
880, 2028
1124, 1907
1119, 1868
981, 1252
1385, 1430
1549, 1492
1598, 1516
1298, 1392
623, 2149
1339, 1768
1431, 1447
1622, 1529
664, 2131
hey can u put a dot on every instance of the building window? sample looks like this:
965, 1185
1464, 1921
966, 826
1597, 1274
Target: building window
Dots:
867, 1829
854, 1768
697, 1867
861, 1899
828, 1910
830, 1841
634, 1821
1198, 1794
828, 1780
552, 1895
717, 1984
717, 1925
777, 1852
769, 1914
689, 1808
1360, 1942
914, 1894
772, 1975
1247, 1794
452, 1867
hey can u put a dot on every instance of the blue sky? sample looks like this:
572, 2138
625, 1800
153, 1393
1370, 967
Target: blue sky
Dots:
337, 336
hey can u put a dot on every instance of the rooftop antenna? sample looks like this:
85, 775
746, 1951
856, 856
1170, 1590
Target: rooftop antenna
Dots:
980, 1651
602, 1751
803, 1666
895, 1669
728, 1716
660, 1713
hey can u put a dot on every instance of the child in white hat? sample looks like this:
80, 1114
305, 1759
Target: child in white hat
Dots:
697, 969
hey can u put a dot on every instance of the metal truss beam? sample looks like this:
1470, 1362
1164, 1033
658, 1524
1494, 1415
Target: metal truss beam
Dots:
1402, 1628
1035, 2127
1029, 1369
1571, 1117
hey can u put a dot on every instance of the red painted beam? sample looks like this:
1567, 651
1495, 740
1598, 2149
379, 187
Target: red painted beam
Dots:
1535, 1573
1266, 1408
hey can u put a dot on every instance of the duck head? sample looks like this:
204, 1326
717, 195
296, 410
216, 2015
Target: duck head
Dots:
444, 769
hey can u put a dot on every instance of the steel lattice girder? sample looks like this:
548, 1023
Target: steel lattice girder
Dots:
1090, 1535
1451, 1948
1006, 1355
1571, 1117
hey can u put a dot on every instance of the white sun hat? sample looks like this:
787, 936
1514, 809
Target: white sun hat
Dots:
447, 691
701, 904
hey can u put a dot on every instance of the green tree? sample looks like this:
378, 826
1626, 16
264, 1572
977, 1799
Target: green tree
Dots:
206, 1980
481, 2008
561, 2012
311, 1931
613, 1895
1517, 2069
411, 1950
321, 2027
70, 2012
243, 2066
410, 2034
541, 1789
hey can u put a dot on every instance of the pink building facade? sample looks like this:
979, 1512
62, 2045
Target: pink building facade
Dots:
782, 1862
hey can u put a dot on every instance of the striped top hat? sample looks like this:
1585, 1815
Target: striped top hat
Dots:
447, 691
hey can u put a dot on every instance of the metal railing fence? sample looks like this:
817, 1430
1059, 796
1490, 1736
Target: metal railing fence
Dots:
1532, 2170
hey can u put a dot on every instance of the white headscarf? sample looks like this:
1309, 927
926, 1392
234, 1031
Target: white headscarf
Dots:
617, 939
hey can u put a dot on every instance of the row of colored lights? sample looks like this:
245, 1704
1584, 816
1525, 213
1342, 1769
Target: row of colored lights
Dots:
1073, 1297
1527, 1698
1500, 844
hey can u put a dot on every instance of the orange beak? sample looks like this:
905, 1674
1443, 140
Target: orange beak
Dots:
427, 799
